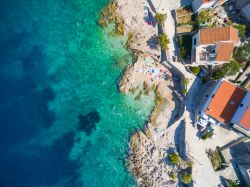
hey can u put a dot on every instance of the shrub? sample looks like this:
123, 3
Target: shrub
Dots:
185, 81
163, 41
184, 91
207, 135
186, 178
227, 70
242, 53
215, 160
241, 30
174, 158
160, 18
232, 183
195, 69
204, 16
172, 175
185, 45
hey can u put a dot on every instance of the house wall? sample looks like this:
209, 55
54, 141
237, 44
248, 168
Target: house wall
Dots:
197, 37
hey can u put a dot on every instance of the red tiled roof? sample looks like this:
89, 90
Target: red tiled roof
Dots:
217, 34
207, 1
225, 102
225, 51
245, 121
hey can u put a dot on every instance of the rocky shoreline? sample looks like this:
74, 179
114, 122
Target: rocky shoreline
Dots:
148, 148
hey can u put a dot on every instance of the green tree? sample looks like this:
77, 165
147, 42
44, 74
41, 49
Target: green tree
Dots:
204, 16
186, 178
242, 53
163, 41
241, 30
160, 18
174, 158
232, 68
195, 69
227, 70
185, 81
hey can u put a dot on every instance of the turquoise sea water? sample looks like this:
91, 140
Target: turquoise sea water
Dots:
63, 121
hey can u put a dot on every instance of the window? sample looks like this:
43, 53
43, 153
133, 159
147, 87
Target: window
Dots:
195, 41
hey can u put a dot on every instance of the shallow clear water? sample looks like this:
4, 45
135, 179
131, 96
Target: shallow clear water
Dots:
63, 121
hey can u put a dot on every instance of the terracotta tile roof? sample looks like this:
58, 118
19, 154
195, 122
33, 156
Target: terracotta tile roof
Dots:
225, 51
225, 102
207, 1
245, 121
217, 34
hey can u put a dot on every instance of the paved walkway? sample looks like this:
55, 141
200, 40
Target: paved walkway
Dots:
165, 7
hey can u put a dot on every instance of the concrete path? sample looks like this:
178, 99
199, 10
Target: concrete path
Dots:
166, 7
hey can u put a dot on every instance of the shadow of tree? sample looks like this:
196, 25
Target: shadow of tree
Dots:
152, 42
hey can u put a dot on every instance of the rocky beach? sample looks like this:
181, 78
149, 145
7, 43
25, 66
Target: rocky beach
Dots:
147, 158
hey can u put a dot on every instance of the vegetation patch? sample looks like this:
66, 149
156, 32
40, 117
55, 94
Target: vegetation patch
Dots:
242, 53
215, 159
204, 17
186, 178
207, 135
227, 70
185, 19
185, 45
241, 30
163, 41
195, 69
174, 158
172, 175
160, 18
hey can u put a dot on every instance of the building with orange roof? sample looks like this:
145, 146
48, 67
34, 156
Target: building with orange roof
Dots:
214, 46
228, 104
198, 5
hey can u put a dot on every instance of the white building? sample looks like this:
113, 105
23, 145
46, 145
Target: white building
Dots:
214, 46
226, 105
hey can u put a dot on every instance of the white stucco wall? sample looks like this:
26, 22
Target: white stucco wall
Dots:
197, 37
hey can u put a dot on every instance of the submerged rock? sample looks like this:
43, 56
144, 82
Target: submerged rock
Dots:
87, 122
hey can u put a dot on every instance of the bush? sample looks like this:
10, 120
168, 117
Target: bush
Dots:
163, 41
241, 30
204, 16
172, 175
227, 70
185, 82
232, 183
184, 91
195, 69
160, 18
186, 178
207, 135
185, 45
174, 158
242, 53
215, 159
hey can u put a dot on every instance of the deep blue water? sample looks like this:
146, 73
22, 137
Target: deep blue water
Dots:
63, 122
